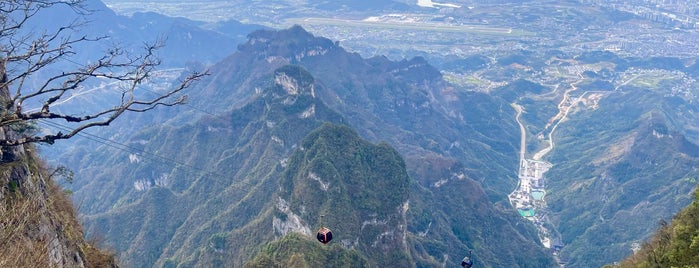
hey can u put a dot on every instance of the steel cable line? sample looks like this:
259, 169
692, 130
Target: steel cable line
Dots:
130, 149
245, 183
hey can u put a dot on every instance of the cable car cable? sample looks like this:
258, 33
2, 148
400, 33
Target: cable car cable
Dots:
130, 149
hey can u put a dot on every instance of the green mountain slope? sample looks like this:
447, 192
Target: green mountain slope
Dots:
674, 245
295, 250
362, 189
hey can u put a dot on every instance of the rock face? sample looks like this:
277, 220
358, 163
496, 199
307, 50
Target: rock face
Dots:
35, 232
38, 226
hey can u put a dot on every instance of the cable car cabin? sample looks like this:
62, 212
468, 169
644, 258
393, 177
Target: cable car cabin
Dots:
324, 235
466, 262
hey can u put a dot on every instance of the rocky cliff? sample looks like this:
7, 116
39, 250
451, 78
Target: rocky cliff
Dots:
38, 225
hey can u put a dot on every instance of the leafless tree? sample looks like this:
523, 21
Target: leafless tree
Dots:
26, 54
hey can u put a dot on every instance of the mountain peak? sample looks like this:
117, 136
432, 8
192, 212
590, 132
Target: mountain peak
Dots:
292, 44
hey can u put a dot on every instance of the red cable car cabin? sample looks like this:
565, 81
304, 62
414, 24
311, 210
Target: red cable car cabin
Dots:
324, 235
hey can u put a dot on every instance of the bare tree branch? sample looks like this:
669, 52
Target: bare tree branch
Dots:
27, 56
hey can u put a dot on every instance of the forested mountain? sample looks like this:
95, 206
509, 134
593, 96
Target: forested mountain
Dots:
404, 102
213, 192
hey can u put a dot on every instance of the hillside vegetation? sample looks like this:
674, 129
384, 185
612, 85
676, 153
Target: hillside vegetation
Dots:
296, 250
360, 188
675, 244
38, 225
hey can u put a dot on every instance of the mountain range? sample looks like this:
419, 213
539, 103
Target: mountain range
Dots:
407, 166
224, 175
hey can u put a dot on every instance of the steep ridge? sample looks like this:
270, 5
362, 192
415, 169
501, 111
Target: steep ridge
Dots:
38, 225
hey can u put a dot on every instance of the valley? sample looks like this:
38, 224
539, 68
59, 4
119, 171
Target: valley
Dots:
529, 196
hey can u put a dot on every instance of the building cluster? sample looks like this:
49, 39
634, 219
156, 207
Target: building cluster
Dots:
529, 196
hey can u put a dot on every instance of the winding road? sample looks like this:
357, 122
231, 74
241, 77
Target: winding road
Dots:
529, 196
